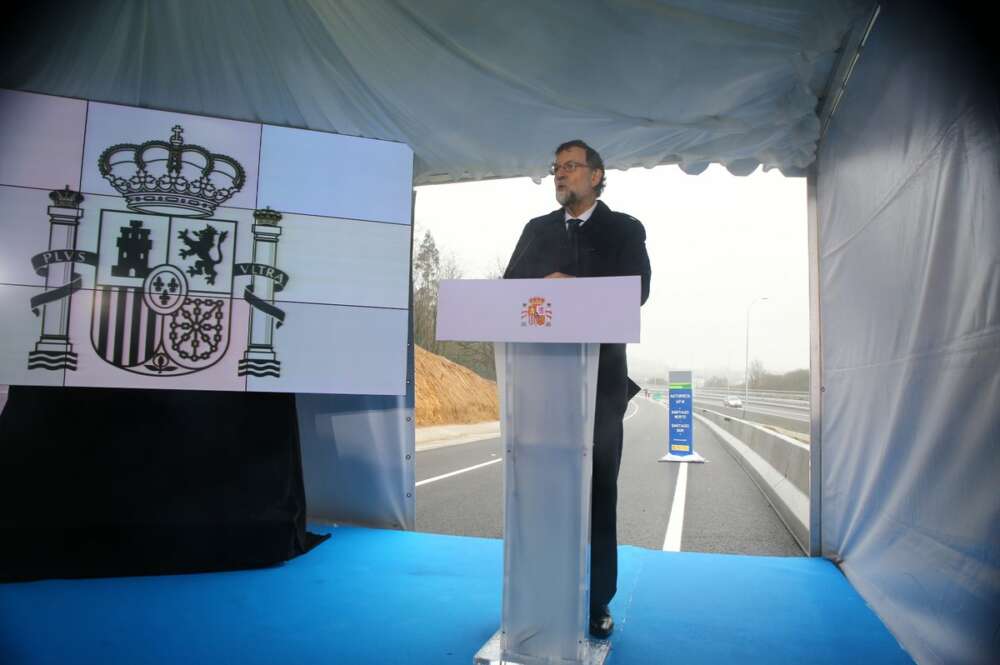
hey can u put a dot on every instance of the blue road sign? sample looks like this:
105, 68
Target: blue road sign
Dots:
681, 436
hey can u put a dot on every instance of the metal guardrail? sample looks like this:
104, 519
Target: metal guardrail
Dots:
738, 391
762, 398
780, 394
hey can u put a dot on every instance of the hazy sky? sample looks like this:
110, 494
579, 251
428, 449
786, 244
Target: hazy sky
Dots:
716, 242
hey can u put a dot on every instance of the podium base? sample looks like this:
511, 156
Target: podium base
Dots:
693, 458
595, 652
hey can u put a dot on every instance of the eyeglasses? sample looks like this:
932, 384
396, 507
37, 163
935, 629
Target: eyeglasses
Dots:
568, 167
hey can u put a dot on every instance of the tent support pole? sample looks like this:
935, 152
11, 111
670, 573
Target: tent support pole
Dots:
409, 462
815, 374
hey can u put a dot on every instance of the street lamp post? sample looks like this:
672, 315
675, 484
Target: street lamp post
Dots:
746, 371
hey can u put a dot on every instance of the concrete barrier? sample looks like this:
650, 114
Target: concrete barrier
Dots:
777, 463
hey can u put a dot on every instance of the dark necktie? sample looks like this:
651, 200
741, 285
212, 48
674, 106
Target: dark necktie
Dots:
573, 235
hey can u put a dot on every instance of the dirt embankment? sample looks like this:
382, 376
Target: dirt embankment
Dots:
449, 394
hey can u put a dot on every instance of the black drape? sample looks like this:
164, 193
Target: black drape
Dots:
102, 482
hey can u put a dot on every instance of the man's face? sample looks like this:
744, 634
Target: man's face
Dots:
578, 185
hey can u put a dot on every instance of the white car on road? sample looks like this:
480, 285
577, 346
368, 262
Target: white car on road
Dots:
734, 402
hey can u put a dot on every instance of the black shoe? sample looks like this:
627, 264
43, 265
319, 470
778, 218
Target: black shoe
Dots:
601, 623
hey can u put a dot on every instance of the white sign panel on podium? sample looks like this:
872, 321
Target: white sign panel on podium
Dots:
578, 310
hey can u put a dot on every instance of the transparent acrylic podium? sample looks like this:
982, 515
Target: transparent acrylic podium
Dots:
547, 342
547, 395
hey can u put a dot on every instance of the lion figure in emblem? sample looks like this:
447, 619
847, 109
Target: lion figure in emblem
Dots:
201, 246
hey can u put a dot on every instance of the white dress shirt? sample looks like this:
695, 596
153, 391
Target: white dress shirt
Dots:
583, 216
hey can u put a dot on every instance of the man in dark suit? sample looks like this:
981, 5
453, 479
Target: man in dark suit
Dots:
585, 238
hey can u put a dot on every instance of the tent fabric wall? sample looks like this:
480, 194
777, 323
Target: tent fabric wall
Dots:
908, 199
478, 90
358, 454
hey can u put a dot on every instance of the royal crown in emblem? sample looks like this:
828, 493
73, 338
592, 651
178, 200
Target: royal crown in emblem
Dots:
171, 178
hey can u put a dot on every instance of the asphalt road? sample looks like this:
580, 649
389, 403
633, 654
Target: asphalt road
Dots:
723, 511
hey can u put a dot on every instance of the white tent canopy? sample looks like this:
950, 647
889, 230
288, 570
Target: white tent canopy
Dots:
478, 89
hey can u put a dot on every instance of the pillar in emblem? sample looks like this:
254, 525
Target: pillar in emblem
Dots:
53, 349
260, 358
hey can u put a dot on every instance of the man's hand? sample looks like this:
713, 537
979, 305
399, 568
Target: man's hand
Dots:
559, 275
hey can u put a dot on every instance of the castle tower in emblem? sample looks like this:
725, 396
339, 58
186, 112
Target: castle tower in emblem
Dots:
133, 251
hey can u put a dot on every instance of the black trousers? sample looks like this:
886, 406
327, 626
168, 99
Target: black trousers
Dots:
608, 431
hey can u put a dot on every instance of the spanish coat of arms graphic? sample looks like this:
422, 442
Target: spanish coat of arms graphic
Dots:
536, 312
165, 268
162, 304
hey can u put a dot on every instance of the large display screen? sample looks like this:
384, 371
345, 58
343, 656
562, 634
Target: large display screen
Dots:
148, 249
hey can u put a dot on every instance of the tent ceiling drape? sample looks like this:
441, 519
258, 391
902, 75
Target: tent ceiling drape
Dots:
478, 89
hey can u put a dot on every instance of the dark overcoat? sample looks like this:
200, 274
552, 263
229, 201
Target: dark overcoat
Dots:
609, 244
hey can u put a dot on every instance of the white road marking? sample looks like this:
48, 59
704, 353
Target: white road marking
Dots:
455, 473
629, 415
675, 525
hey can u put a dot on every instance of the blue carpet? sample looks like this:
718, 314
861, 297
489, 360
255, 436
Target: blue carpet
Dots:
374, 596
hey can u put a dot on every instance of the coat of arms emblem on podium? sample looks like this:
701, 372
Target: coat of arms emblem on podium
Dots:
165, 268
536, 312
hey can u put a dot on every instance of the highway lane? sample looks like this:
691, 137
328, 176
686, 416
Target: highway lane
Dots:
799, 400
792, 419
724, 510
790, 414
468, 504
754, 408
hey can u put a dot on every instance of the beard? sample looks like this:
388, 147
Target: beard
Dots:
567, 197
